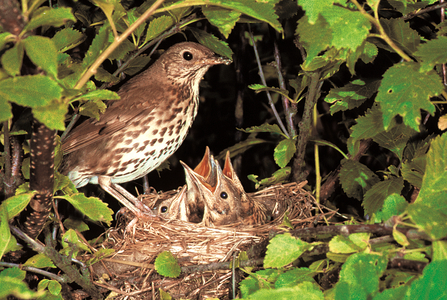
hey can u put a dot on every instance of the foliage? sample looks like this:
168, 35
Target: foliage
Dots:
405, 193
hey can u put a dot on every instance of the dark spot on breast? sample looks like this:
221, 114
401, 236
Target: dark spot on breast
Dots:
160, 140
163, 131
159, 122
153, 142
155, 131
127, 142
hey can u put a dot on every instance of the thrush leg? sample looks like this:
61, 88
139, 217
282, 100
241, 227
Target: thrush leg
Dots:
126, 198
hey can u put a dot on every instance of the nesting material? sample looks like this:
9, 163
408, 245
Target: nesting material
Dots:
130, 270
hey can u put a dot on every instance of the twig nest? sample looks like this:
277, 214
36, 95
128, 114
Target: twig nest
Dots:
193, 244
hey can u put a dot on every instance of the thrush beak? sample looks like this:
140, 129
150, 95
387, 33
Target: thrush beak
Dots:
215, 60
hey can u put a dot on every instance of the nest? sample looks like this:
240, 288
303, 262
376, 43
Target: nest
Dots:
200, 250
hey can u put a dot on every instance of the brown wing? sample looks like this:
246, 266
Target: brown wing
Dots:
138, 99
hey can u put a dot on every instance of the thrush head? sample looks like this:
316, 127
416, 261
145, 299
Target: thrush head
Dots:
146, 126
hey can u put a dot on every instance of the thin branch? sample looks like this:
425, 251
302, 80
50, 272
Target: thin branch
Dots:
261, 74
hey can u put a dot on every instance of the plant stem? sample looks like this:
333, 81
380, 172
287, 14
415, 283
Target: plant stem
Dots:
264, 82
289, 108
305, 128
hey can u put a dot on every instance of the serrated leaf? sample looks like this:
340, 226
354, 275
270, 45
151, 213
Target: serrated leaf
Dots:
67, 39
262, 279
50, 17
93, 109
75, 224
432, 53
351, 95
212, 42
356, 178
285, 249
122, 50
405, 91
166, 265
284, 152
360, 273
92, 207
341, 21
355, 242
400, 32
137, 64
42, 53
223, 19
157, 26
99, 44
413, 171
376, 195
40, 261
5, 110
7, 240
264, 128
12, 59
31, 91
132, 16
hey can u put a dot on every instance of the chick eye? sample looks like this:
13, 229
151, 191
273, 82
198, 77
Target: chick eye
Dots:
164, 209
224, 195
187, 55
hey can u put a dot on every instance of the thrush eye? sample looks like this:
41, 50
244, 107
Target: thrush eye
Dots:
187, 55
224, 195
164, 209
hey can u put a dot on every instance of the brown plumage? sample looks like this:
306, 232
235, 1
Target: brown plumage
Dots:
141, 130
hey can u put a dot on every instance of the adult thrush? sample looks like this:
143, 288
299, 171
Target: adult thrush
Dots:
142, 129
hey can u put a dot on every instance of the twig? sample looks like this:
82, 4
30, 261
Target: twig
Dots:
261, 74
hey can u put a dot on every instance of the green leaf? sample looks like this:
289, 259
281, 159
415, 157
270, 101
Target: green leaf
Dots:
359, 276
262, 279
16, 204
137, 64
99, 44
351, 95
432, 283
223, 19
285, 249
314, 8
99, 255
295, 276
402, 35
284, 152
12, 59
75, 224
52, 115
355, 242
393, 205
98, 95
67, 39
429, 208
356, 178
11, 283
166, 265
53, 287
50, 17
5, 38
7, 240
124, 48
375, 197
341, 21
40, 261
305, 290
314, 37
264, 128
212, 42
5, 110
158, 26
72, 244
92, 207
42, 53
405, 91
432, 53
279, 176
400, 238
32, 91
